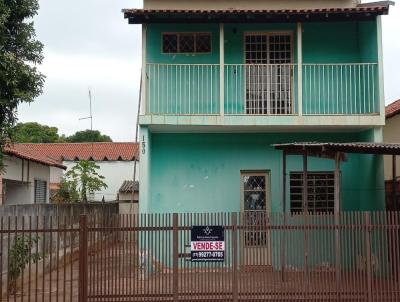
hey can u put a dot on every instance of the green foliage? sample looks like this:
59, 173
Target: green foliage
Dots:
34, 133
19, 256
88, 136
20, 52
67, 193
85, 179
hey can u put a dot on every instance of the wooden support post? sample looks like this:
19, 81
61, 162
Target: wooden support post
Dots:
175, 246
83, 258
305, 211
337, 223
235, 282
283, 237
394, 183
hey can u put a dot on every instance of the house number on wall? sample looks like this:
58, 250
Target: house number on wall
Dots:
143, 146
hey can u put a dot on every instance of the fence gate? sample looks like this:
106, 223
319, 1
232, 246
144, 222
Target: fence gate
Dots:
312, 257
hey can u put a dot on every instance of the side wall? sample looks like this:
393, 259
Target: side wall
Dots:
201, 172
114, 172
22, 190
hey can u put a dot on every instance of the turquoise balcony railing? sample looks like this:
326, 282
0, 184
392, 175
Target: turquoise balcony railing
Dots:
262, 89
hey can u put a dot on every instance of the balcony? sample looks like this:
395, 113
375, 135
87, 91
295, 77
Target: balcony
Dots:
337, 93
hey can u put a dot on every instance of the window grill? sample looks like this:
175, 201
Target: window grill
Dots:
321, 192
268, 74
186, 42
170, 43
203, 42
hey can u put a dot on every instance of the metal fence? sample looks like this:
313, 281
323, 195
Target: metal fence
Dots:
272, 257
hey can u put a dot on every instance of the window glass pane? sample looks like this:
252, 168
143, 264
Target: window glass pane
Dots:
186, 43
254, 200
170, 43
203, 42
254, 182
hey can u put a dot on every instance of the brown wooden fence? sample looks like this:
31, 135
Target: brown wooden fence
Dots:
312, 257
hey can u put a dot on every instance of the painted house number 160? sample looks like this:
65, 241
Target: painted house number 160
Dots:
143, 146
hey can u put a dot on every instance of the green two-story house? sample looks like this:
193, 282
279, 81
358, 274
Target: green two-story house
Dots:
223, 81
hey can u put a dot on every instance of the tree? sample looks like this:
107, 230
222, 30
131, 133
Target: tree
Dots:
85, 178
88, 136
19, 256
67, 192
34, 133
20, 53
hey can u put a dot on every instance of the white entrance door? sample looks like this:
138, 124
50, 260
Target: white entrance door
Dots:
255, 207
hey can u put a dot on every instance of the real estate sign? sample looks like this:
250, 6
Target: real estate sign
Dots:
207, 244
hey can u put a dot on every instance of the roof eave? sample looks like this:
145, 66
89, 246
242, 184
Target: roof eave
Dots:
11, 153
240, 16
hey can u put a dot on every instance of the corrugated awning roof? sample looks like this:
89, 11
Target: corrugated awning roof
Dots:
356, 147
360, 12
128, 186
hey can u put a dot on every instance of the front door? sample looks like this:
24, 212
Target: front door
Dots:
255, 239
268, 80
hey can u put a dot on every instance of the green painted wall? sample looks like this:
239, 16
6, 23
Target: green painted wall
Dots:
326, 90
201, 172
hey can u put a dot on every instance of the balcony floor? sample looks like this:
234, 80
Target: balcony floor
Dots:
256, 123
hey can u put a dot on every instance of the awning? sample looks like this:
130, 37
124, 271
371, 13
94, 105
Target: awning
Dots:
360, 12
330, 148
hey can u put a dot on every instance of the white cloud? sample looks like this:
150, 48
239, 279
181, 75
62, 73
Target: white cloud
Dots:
88, 44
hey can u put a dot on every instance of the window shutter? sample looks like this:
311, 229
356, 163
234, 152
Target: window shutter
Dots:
40, 191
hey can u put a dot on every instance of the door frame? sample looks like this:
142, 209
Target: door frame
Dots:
248, 252
268, 33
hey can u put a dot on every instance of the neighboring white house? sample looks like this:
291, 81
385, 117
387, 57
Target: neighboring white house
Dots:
26, 175
116, 162
391, 134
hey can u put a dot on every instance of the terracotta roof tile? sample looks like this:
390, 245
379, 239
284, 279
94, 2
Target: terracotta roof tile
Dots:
392, 109
25, 152
88, 151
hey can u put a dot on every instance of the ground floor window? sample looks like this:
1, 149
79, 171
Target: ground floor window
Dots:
40, 191
321, 192
255, 201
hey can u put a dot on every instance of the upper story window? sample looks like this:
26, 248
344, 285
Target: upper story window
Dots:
186, 42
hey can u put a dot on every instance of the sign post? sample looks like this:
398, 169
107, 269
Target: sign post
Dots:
207, 244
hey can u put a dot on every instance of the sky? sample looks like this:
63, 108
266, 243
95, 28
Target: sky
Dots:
89, 45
